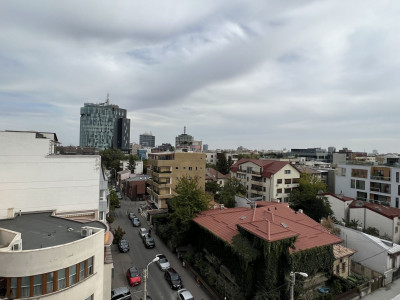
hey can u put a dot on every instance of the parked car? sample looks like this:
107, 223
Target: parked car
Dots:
184, 294
121, 293
132, 274
148, 241
142, 232
131, 216
136, 222
163, 262
173, 278
123, 246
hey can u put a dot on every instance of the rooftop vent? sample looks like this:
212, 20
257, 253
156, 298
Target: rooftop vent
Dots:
243, 217
284, 225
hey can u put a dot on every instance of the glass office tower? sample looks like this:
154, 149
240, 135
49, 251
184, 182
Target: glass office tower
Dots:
104, 126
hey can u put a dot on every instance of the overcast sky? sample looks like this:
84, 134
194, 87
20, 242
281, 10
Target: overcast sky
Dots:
259, 74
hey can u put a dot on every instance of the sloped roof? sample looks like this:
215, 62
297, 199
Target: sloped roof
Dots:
212, 174
269, 167
339, 197
340, 251
387, 211
271, 222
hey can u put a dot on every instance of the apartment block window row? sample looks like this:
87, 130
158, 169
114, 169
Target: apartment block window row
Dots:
42, 284
360, 173
357, 184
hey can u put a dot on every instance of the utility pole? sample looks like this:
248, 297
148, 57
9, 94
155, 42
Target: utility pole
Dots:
293, 280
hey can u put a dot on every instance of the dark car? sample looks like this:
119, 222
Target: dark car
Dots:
136, 222
148, 241
121, 293
173, 279
123, 246
132, 274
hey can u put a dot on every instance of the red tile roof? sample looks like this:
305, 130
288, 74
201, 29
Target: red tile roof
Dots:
212, 174
270, 221
387, 211
269, 167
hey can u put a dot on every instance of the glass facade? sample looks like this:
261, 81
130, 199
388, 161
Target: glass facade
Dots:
104, 126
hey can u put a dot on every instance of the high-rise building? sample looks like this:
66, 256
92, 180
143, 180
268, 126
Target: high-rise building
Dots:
104, 126
147, 140
186, 142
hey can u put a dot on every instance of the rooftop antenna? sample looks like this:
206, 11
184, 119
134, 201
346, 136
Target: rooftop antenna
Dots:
108, 99
184, 129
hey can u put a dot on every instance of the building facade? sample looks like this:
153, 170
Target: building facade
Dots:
167, 168
45, 256
147, 140
268, 180
186, 142
104, 126
369, 182
33, 176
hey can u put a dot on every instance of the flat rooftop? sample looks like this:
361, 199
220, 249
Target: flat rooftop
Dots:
42, 230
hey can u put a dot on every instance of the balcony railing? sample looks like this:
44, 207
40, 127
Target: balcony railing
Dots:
379, 177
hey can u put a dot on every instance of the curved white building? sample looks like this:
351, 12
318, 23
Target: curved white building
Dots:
48, 257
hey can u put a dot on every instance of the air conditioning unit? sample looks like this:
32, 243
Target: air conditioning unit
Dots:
86, 231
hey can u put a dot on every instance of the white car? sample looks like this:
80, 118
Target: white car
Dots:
163, 262
142, 232
184, 294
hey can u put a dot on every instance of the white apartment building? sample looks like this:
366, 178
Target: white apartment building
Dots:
44, 256
268, 180
339, 205
369, 182
34, 178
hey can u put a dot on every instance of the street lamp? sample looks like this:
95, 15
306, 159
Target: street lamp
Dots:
146, 272
293, 280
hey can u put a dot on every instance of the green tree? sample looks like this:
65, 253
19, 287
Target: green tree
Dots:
118, 234
222, 164
306, 197
131, 162
248, 156
189, 201
212, 187
114, 201
232, 187
110, 158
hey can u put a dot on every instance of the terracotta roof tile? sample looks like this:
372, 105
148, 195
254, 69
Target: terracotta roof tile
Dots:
341, 251
271, 222
269, 167
387, 211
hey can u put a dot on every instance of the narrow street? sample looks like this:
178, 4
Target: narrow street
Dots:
139, 256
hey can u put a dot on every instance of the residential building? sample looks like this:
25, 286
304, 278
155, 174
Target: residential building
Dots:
147, 140
124, 165
317, 154
187, 143
384, 218
162, 148
374, 253
269, 180
136, 187
278, 238
33, 176
56, 257
369, 182
339, 205
342, 263
214, 175
104, 126
167, 168
211, 157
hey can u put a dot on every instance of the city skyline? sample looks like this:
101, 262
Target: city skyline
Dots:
262, 75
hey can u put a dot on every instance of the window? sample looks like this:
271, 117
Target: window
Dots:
249, 169
397, 176
90, 266
190, 168
360, 173
344, 267
396, 230
61, 279
25, 285
397, 202
81, 270
176, 168
360, 184
72, 275
287, 171
13, 288
287, 191
337, 269
288, 181
90, 297
353, 184
279, 191
49, 287
37, 285
279, 181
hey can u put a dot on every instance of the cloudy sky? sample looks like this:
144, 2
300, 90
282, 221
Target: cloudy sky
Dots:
259, 74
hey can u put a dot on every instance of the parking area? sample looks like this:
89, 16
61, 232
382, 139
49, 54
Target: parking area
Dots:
139, 256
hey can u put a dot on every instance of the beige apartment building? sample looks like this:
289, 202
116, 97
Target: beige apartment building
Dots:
167, 168
268, 180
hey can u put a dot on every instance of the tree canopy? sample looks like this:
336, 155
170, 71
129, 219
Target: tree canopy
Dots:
189, 201
306, 197
110, 158
131, 162
232, 187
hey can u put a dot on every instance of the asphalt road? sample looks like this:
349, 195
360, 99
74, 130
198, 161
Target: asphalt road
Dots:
139, 256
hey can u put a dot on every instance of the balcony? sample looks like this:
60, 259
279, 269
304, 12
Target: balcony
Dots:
380, 178
256, 182
256, 188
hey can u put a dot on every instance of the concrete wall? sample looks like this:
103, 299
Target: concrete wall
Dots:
340, 208
31, 180
40, 261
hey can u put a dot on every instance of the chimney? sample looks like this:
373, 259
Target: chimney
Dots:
215, 206
254, 212
300, 211
221, 206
